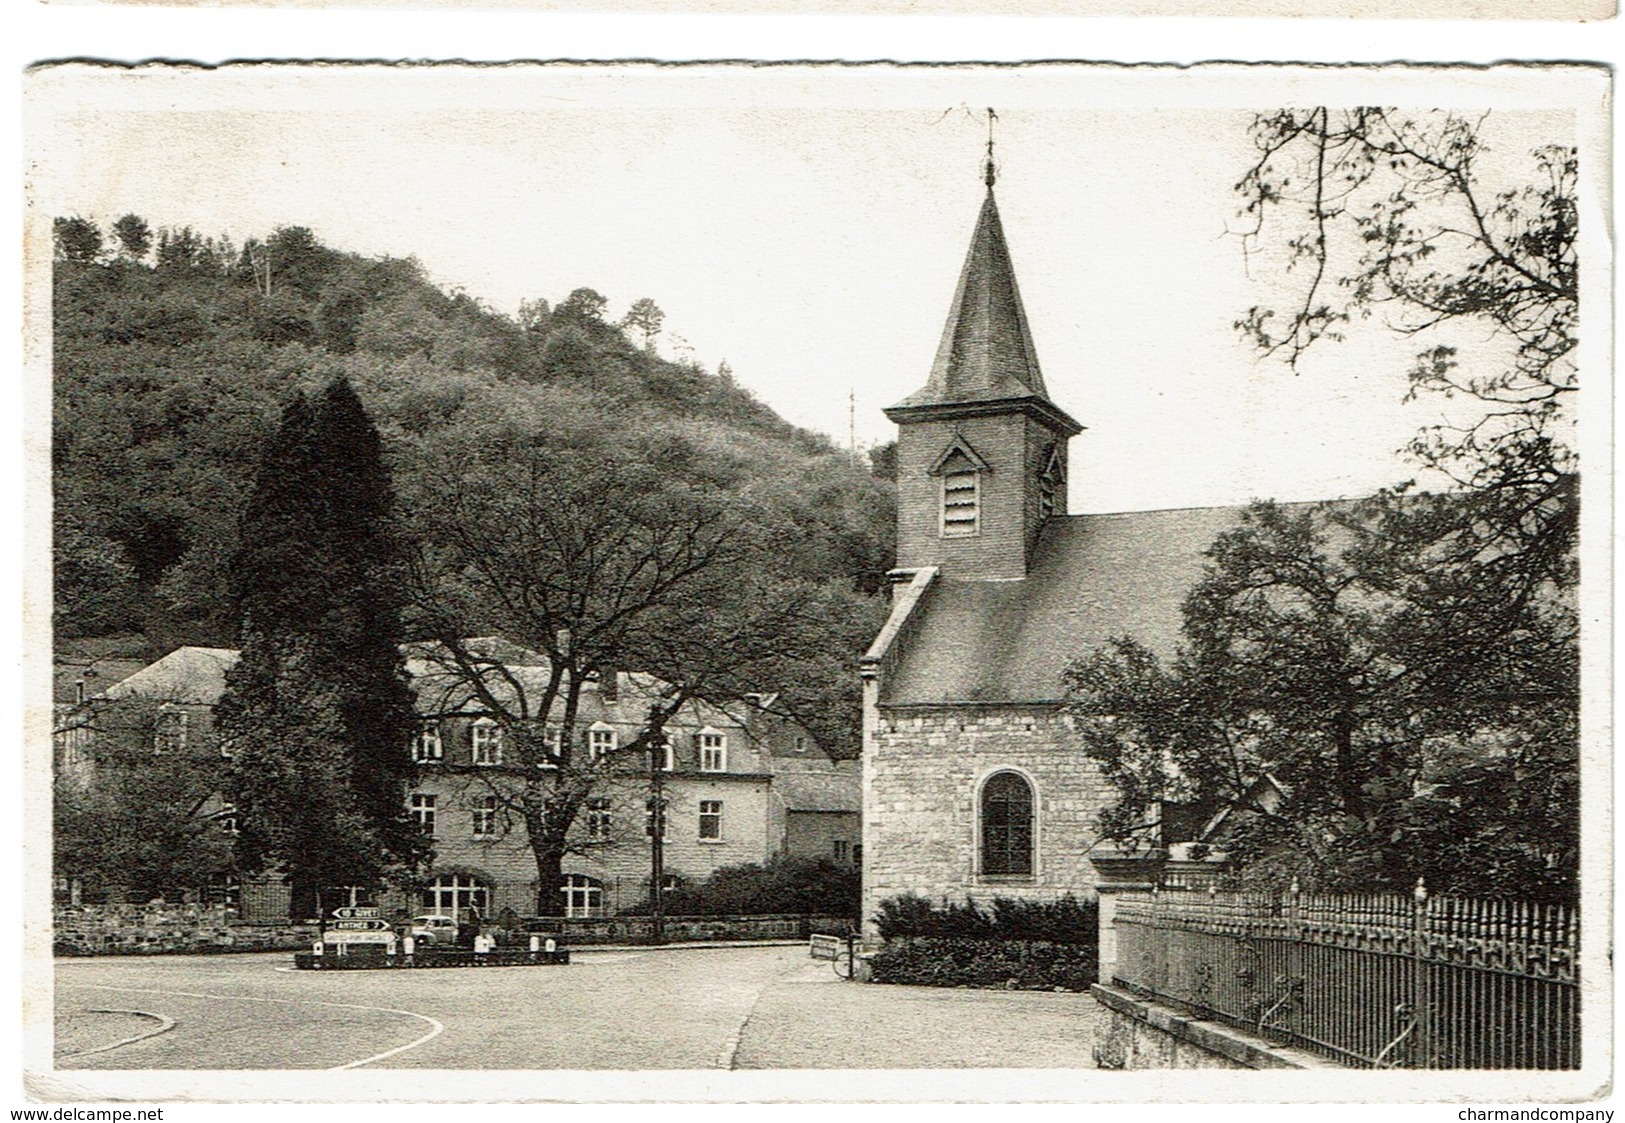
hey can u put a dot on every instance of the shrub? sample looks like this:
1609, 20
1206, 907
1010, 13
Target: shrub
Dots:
1063, 921
1010, 964
794, 886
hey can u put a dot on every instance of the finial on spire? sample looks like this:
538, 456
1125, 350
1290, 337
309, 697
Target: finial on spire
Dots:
988, 174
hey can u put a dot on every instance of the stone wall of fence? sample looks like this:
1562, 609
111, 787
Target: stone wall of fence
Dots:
168, 929
159, 929
586, 931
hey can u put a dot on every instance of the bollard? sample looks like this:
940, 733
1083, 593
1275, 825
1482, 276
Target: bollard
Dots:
410, 946
482, 944
317, 948
535, 943
551, 946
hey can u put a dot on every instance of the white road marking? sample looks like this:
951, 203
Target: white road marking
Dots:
431, 1035
165, 1024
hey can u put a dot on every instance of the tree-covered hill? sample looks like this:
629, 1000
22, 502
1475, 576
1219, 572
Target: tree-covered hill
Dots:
173, 354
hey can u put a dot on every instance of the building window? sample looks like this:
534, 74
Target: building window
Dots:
842, 850
961, 494
423, 812
654, 816
1007, 825
484, 813
598, 824
553, 741
583, 896
601, 741
169, 730
452, 894
487, 742
426, 747
857, 853
713, 751
668, 753
1050, 482
226, 817
711, 820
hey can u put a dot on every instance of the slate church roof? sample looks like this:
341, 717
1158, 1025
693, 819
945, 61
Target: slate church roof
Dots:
1093, 577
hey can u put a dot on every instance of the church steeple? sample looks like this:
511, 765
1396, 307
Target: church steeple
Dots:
981, 448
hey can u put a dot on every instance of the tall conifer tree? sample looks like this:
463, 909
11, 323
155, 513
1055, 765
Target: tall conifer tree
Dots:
317, 713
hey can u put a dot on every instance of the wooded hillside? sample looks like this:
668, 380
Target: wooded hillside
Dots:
174, 352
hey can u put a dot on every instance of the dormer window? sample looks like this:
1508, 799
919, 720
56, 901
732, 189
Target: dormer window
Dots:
486, 742
713, 751
601, 740
1051, 486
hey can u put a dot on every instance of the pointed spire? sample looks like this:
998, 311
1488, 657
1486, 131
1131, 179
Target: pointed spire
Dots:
986, 355
986, 350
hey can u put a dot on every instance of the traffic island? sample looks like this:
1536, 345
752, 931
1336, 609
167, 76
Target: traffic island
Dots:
431, 957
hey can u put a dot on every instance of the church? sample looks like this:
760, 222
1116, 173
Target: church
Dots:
973, 783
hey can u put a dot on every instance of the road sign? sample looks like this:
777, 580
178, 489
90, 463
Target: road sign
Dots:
348, 936
825, 947
357, 912
359, 925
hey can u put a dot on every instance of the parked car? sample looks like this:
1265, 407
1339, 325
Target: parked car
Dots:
434, 929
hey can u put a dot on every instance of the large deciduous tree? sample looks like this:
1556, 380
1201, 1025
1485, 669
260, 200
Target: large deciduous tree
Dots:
1390, 688
1388, 212
603, 550
1370, 707
317, 714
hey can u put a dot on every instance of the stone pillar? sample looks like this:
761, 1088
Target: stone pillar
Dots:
1120, 871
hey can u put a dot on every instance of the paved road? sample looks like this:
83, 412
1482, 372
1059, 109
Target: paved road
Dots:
688, 1008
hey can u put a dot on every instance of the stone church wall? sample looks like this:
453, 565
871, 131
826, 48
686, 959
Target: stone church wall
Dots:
923, 771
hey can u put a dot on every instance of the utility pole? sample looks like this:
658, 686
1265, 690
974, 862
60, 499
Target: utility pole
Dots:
657, 836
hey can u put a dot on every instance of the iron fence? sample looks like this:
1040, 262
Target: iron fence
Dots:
1383, 981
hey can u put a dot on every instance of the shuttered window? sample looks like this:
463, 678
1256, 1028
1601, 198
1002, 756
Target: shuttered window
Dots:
961, 494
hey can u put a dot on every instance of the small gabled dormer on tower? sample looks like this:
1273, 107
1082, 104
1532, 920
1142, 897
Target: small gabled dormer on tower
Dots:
981, 450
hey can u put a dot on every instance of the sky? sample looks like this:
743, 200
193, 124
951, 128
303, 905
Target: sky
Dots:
807, 227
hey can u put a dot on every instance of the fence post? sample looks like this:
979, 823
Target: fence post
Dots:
1119, 871
1421, 981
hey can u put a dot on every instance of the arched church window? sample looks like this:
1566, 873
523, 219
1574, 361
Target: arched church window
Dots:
1007, 824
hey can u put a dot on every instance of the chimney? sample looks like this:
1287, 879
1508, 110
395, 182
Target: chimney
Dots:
609, 684
78, 690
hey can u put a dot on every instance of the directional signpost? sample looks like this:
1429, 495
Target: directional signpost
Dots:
358, 924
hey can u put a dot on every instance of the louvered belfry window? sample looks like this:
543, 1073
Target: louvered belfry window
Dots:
1007, 825
960, 502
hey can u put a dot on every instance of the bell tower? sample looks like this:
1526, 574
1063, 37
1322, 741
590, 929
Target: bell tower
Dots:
981, 449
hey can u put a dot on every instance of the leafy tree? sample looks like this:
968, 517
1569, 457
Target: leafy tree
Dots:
583, 307
180, 252
1372, 708
1387, 212
317, 711
149, 824
94, 583
134, 236
600, 550
644, 318
77, 240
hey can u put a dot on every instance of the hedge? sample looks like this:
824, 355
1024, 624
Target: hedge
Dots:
936, 961
1065, 920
